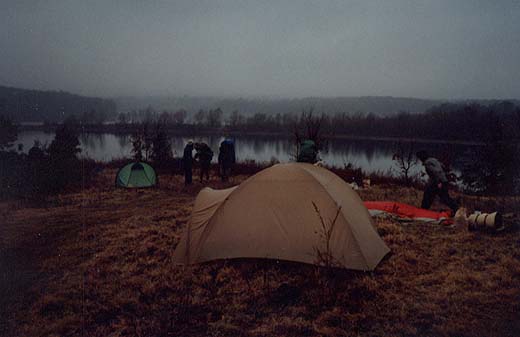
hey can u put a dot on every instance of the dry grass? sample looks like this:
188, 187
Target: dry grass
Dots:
98, 263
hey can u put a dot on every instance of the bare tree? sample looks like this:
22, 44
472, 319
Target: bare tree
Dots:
235, 119
142, 141
200, 117
309, 127
324, 277
165, 118
324, 256
214, 118
179, 116
122, 118
137, 141
405, 159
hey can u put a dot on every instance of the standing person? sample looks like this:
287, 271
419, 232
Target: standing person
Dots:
187, 163
437, 182
203, 156
308, 152
226, 158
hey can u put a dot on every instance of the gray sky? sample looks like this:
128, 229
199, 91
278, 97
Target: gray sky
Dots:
429, 49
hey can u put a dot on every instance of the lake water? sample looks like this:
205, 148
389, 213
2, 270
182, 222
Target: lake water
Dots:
371, 156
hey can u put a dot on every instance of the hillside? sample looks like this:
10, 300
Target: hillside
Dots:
24, 105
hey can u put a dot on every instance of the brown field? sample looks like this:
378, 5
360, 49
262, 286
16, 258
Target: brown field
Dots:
98, 263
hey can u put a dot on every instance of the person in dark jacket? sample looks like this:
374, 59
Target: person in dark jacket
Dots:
226, 158
437, 182
187, 163
308, 152
203, 157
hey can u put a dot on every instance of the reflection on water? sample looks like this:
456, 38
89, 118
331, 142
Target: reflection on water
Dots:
371, 156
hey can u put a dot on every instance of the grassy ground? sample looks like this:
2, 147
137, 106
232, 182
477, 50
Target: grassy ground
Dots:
98, 263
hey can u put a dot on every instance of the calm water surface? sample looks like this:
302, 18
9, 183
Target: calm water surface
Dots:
371, 156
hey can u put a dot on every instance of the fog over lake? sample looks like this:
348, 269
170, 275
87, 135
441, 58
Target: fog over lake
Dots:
428, 49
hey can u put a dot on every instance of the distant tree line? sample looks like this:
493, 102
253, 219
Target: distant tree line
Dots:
379, 105
470, 122
210, 119
463, 122
53, 106
150, 115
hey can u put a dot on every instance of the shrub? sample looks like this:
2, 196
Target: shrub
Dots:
8, 133
161, 147
63, 164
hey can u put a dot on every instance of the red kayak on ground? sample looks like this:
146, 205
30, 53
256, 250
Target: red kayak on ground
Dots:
406, 212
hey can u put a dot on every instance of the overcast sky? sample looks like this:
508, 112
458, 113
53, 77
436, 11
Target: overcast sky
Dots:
429, 49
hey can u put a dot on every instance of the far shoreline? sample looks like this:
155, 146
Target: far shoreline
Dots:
190, 130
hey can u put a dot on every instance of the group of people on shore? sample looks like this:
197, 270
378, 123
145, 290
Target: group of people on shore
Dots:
204, 156
437, 184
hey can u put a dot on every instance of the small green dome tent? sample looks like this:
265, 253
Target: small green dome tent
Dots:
135, 175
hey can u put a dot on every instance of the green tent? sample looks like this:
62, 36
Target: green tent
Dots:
135, 175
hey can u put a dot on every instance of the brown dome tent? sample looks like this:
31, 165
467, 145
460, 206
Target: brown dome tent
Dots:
271, 215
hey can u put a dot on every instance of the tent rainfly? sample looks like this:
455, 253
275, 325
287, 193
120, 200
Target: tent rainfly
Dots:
136, 175
271, 215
